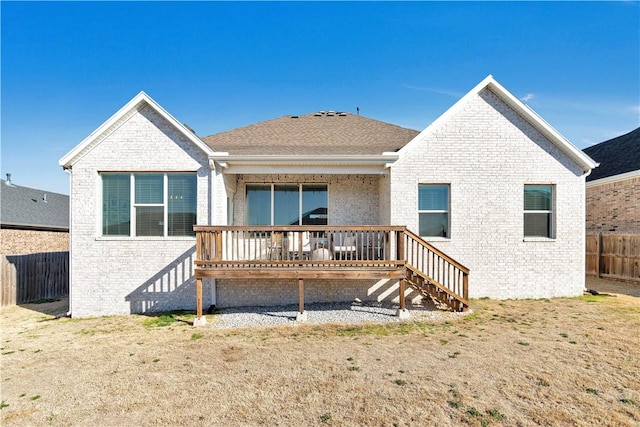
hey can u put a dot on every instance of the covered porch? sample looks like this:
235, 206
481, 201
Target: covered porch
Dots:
329, 253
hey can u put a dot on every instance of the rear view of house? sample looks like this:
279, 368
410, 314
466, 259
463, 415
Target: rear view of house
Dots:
488, 200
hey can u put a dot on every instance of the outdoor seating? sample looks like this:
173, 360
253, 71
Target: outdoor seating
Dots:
344, 245
299, 245
275, 246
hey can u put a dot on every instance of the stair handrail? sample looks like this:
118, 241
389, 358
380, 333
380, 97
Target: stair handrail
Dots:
438, 282
436, 250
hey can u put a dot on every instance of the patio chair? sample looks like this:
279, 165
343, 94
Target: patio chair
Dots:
321, 254
345, 245
293, 239
274, 250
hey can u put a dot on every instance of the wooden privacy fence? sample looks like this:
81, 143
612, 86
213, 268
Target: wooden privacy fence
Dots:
613, 256
34, 277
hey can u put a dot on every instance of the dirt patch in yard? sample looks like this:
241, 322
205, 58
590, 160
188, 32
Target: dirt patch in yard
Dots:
614, 286
527, 362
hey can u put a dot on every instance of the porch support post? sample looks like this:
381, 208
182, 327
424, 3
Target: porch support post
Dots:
402, 313
200, 320
302, 315
465, 290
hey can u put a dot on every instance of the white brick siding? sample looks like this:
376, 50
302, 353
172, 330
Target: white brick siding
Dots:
113, 275
487, 153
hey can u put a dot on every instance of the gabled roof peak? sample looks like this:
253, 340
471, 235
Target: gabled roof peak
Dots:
490, 83
134, 104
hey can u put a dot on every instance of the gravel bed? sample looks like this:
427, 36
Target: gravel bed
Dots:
354, 312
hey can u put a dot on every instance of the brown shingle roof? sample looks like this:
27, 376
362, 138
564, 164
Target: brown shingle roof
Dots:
324, 133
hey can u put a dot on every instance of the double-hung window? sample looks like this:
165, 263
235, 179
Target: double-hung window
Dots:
148, 204
433, 210
538, 211
286, 204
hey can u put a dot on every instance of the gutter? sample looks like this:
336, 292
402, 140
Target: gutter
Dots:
614, 178
382, 161
34, 227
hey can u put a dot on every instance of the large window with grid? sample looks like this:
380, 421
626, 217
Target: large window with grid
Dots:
433, 210
286, 204
148, 204
538, 211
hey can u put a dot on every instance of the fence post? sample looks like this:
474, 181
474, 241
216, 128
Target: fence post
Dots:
598, 253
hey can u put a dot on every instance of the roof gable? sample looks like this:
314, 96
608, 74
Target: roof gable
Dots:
24, 207
321, 133
585, 162
138, 102
616, 156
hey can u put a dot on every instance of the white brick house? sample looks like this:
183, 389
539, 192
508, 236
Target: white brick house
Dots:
489, 183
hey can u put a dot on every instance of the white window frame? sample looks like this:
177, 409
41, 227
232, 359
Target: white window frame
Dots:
163, 205
427, 211
133, 205
550, 212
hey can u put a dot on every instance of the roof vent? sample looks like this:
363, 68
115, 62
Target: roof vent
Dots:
342, 114
318, 114
9, 183
44, 197
189, 127
294, 117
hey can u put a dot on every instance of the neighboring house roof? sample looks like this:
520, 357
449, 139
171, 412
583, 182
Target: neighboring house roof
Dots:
138, 102
616, 156
321, 133
30, 208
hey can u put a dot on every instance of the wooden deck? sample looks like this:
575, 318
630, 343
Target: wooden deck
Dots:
329, 252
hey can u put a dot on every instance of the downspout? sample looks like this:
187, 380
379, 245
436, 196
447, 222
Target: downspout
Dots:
69, 171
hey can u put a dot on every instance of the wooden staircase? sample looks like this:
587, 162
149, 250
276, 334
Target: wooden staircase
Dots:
435, 274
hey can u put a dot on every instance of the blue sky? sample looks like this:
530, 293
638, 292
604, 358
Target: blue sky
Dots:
67, 67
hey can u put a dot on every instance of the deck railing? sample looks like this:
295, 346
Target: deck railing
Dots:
436, 269
295, 246
342, 251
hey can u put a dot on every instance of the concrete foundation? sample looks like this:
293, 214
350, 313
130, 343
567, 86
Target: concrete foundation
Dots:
200, 321
403, 314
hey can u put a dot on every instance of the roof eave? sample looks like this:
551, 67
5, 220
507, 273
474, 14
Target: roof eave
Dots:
36, 227
577, 155
303, 163
614, 178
